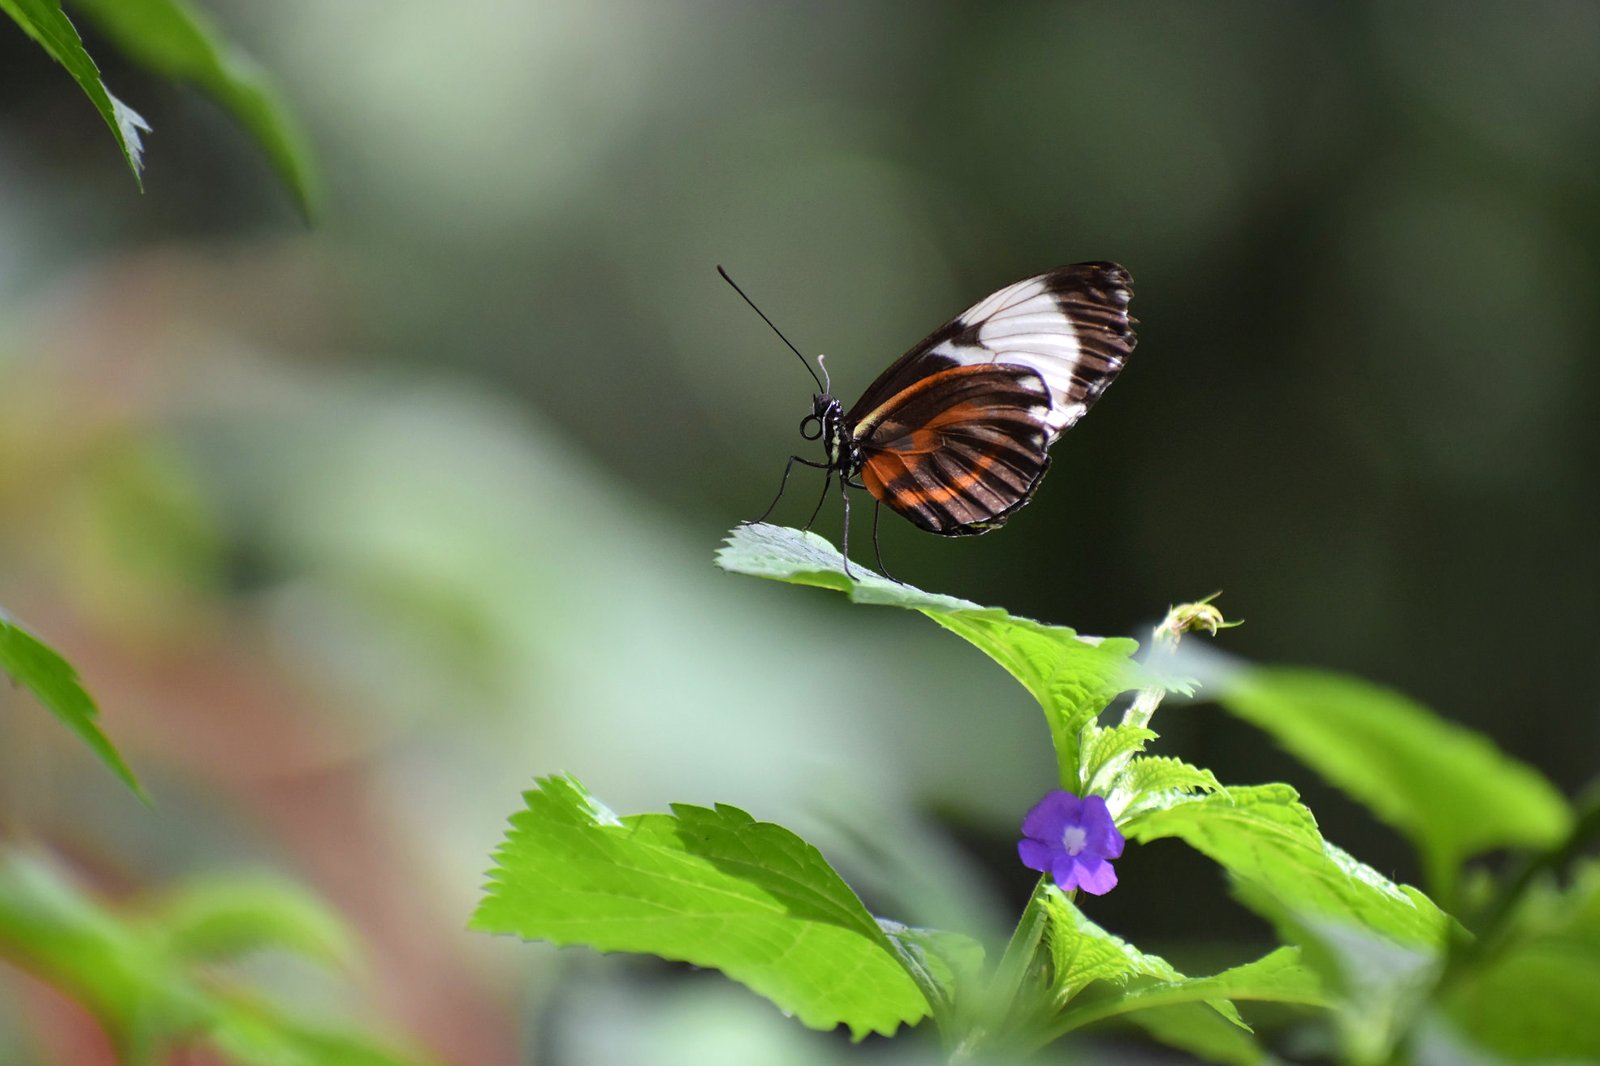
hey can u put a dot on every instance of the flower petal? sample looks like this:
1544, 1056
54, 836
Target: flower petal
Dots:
1051, 814
1035, 855
1096, 878
1104, 839
1066, 872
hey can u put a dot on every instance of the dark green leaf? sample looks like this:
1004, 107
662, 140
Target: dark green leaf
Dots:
173, 39
44, 21
52, 679
712, 887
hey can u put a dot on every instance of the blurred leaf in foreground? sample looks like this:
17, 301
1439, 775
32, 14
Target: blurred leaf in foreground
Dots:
1535, 996
151, 978
1451, 791
44, 21
53, 680
171, 38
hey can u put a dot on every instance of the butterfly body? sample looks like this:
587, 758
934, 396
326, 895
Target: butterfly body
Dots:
955, 434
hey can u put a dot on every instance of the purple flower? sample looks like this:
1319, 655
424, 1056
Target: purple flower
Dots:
1073, 840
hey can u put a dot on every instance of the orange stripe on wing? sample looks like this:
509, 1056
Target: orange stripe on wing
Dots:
942, 379
902, 493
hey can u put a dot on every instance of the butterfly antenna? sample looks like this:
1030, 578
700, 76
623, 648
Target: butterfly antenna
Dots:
775, 329
827, 382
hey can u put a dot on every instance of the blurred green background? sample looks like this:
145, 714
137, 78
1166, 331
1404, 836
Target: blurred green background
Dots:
353, 529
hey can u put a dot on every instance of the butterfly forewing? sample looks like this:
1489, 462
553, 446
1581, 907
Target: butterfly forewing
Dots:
955, 433
1070, 325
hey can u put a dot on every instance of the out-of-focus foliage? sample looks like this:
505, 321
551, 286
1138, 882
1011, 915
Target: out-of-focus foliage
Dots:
31, 662
171, 38
46, 23
1448, 789
150, 974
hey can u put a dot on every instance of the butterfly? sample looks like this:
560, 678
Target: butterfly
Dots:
955, 434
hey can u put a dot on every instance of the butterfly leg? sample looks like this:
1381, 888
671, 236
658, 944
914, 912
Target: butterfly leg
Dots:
877, 507
827, 483
793, 459
844, 550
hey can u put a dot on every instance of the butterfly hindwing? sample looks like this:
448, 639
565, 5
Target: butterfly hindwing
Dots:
1069, 325
956, 452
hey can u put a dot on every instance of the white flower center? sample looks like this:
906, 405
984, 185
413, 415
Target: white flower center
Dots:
1073, 838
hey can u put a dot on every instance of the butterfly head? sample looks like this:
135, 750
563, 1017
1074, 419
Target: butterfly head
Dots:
825, 423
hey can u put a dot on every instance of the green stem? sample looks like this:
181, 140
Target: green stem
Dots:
1000, 997
1495, 920
1163, 642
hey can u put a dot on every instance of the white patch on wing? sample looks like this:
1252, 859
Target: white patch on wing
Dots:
1023, 325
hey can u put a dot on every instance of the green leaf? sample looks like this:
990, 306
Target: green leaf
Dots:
53, 680
1377, 986
1267, 840
1100, 746
44, 21
1535, 997
950, 963
171, 38
1446, 788
1202, 1032
1150, 780
1186, 1012
151, 999
712, 887
1098, 976
1072, 677
1082, 953
217, 919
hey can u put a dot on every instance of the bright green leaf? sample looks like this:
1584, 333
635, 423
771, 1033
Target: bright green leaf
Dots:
1196, 1014
1186, 1012
1072, 677
1447, 788
53, 680
172, 38
1081, 952
712, 887
1102, 748
44, 21
1148, 780
1267, 840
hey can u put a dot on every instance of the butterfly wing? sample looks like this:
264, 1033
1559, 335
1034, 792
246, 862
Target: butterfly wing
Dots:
1070, 326
958, 451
